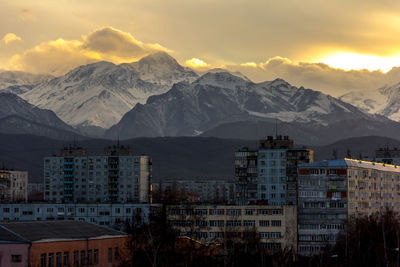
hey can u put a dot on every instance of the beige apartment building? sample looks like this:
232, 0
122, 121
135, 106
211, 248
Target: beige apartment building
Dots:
275, 226
334, 191
13, 186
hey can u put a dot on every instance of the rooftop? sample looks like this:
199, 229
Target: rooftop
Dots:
34, 231
352, 163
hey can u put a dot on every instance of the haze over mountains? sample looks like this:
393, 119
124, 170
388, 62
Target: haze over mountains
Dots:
158, 97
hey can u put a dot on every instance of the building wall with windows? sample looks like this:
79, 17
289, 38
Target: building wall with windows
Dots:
98, 251
114, 215
62, 243
332, 192
115, 176
13, 186
246, 176
274, 225
14, 253
277, 170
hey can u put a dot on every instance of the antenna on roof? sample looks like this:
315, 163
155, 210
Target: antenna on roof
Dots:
276, 127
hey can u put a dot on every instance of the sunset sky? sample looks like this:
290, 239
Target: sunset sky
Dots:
261, 38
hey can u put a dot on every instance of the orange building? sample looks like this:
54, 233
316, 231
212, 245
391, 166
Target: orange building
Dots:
61, 243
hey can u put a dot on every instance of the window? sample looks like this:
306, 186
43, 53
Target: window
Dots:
66, 259
249, 212
218, 223
58, 259
76, 258
43, 260
275, 223
96, 256
249, 223
217, 212
116, 254
83, 256
200, 212
89, 257
233, 212
263, 223
51, 259
16, 258
109, 254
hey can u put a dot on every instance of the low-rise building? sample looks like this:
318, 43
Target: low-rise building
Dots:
60, 243
112, 215
275, 226
334, 191
13, 186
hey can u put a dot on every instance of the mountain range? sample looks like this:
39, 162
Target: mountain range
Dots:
157, 97
99, 94
19, 117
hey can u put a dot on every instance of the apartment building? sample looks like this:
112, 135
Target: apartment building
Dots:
332, 192
113, 176
277, 170
246, 176
274, 225
113, 215
61, 243
198, 191
13, 186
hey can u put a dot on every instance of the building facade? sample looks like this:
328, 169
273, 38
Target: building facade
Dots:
332, 192
61, 243
198, 191
112, 215
277, 170
13, 186
114, 176
246, 176
274, 225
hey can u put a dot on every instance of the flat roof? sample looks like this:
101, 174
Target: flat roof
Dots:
33, 231
352, 163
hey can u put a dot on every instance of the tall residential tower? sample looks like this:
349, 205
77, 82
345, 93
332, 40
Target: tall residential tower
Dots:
113, 176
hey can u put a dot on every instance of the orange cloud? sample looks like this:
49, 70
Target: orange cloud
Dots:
59, 56
11, 37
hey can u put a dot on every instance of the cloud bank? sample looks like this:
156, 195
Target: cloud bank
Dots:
317, 76
59, 56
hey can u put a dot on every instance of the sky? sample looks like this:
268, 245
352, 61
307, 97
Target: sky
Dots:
335, 45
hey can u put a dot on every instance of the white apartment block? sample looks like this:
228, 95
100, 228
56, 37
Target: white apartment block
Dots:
114, 176
13, 185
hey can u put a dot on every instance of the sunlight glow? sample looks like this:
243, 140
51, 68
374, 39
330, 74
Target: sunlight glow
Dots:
354, 61
196, 63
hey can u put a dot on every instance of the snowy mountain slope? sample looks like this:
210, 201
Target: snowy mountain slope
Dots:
384, 101
18, 116
216, 98
99, 94
19, 82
